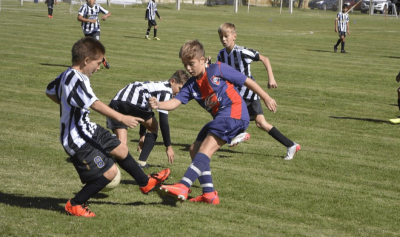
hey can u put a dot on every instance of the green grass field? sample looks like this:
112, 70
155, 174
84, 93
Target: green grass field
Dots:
344, 181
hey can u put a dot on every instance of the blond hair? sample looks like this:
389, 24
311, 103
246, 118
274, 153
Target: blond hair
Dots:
192, 49
227, 27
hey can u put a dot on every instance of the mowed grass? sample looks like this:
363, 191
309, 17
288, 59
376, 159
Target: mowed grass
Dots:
344, 181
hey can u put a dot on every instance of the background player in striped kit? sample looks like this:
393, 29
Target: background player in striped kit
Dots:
240, 58
132, 100
342, 26
89, 145
50, 4
89, 16
151, 12
213, 87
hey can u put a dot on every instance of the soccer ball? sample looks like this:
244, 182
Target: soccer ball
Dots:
114, 183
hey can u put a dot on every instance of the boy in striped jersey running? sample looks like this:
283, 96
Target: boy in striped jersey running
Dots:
240, 58
89, 16
342, 26
133, 100
89, 145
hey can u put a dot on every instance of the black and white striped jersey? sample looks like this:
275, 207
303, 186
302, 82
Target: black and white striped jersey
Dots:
138, 93
152, 8
91, 13
240, 58
75, 95
342, 19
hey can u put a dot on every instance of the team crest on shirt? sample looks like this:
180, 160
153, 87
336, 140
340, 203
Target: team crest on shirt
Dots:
215, 80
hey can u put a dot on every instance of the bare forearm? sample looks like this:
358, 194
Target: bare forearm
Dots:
169, 104
53, 98
267, 65
103, 109
252, 85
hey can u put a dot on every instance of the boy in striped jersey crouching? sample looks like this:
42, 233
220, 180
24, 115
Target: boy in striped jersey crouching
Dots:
240, 58
133, 100
89, 145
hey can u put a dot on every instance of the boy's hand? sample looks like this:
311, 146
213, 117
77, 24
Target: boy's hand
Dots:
170, 154
153, 102
398, 77
348, 32
272, 83
140, 145
160, 18
131, 121
336, 30
271, 104
103, 18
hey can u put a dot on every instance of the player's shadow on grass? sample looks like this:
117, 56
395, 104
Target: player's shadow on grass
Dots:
134, 37
45, 203
391, 57
321, 51
362, 119
54, 65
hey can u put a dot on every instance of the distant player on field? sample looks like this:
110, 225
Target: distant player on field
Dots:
50, 4
89, 16
240, 58
213, 87
89, 145
133, 100
151, 12
342, 26
397, 120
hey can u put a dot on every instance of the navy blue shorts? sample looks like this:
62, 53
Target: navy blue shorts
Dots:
93, 159
128, 109
342, 33
94, 35
225, 128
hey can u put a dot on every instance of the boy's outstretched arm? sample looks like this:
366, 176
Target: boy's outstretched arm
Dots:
271, 78
165, 105
268, 101
336, 29
53, 98
103, 109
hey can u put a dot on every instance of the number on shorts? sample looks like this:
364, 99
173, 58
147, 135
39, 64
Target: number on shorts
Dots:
99, 162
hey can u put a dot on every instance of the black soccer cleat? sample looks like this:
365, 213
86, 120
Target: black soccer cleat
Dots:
335, 48
342, 51
105, 63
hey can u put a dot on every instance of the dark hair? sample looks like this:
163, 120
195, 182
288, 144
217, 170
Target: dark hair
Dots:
345, 6
87, 47
180, 77
192, 49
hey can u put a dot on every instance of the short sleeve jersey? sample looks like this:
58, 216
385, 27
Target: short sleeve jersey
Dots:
91, 13
216, 92
240, 58
75, 95
152, 7
342, 20
138, 93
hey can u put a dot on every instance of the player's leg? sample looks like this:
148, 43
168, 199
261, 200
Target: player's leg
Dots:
155, 31
148, 29
397, 120
126, 162
343, 39
149, 141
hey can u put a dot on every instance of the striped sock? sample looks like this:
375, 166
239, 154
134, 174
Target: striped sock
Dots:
206, 181
198, 166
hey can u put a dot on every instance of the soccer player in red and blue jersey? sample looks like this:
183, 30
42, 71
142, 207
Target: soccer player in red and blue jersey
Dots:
214, 88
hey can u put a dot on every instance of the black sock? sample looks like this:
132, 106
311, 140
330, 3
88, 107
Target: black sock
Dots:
343, 45
338, 42
398, 103
274, 132
155, 32
148, 31
51, 11
48, 11
148, 145
132, 167
89, 190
